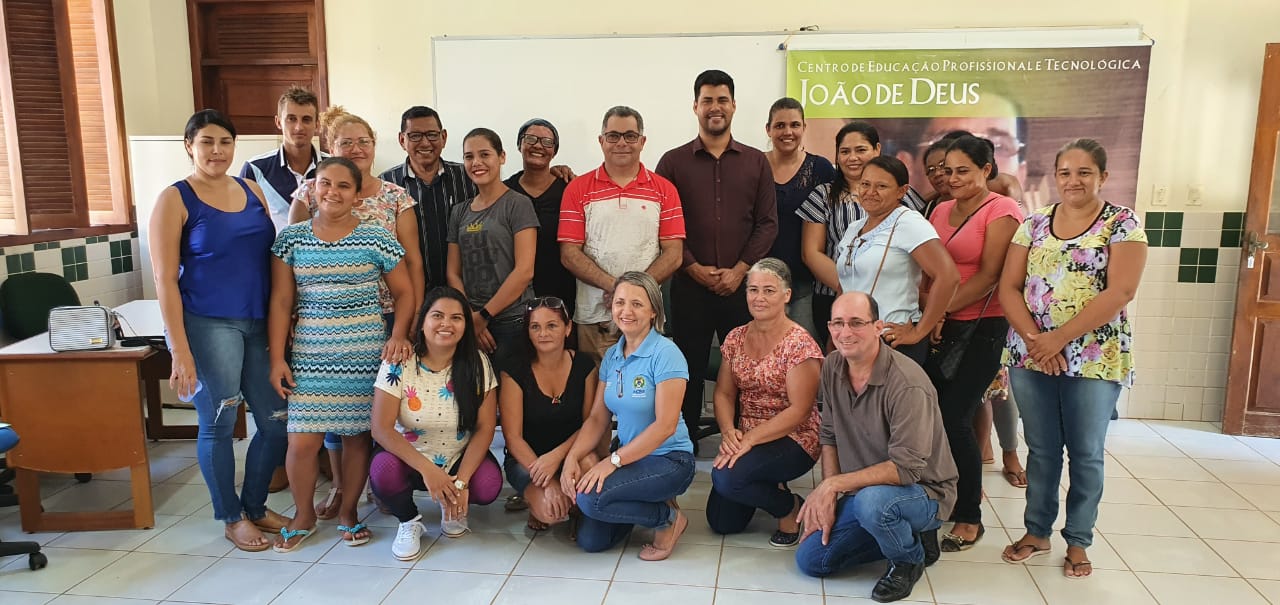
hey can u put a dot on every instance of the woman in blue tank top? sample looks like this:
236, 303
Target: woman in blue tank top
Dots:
211, 237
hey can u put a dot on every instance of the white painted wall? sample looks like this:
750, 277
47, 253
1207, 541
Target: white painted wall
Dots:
1202, 100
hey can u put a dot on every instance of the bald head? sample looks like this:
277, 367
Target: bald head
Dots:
855, 327
859, 304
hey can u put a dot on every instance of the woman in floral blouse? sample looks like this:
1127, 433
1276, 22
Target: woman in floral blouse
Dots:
1070, 271
764, 404
434, 416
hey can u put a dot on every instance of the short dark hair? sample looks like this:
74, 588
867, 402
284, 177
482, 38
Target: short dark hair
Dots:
488, 135
893, 166
622, 111
785, 103
555, 134
206, 117
712, 77
980, 151
345, 163
1089, 146
418, 111
299, 96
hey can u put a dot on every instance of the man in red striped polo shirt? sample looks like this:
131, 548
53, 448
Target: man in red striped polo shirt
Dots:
619, 217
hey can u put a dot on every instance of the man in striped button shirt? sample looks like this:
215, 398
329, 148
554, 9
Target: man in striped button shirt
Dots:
436, 184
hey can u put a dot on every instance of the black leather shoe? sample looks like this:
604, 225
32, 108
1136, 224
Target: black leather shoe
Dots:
897, 582
931, 549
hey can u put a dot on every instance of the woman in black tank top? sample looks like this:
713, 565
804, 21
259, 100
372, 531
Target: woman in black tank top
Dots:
543, 400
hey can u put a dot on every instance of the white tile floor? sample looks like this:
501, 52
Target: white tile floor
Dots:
1189, 516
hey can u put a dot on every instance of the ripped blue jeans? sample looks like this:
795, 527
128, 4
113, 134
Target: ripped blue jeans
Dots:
233, 368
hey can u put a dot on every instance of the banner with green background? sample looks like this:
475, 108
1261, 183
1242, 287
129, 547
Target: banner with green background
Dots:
1027, 101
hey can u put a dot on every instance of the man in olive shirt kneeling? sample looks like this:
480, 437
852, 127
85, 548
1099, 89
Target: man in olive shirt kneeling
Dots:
889, 479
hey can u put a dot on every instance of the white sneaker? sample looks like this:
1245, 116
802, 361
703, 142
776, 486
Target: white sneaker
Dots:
408, 539
455, 528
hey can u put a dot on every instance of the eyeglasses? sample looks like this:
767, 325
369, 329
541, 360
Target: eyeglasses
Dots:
549, 302
933, 169
347, 144
619, 372
1006, 145
629, 136
837, 325
533, 139
416, 137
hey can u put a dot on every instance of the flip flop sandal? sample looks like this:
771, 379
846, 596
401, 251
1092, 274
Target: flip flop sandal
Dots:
515, 504
1075, 566
282, 546
954, 543
353, 530
1035, 552
1017, 479
534, 524
327, 510
245, 546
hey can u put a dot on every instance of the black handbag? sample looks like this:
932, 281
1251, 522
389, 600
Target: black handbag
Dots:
944, 357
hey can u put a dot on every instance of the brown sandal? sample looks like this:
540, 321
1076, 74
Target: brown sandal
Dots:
1074, 566
245, 546
1010, 556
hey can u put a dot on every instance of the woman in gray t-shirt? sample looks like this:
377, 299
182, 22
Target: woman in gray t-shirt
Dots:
492, 243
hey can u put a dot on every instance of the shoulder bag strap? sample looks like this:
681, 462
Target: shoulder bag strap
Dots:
886, 253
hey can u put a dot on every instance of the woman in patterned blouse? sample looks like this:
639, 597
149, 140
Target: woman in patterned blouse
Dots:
764, 404
1071, 269
434, 416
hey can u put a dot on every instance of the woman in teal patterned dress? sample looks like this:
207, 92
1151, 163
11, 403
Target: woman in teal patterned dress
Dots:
330, 266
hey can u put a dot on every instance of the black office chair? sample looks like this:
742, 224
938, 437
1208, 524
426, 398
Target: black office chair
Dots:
35, 558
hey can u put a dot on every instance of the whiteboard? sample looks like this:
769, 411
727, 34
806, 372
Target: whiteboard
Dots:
499, 83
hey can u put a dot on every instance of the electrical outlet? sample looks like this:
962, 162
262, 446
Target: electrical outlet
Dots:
1195, 195
1160, 195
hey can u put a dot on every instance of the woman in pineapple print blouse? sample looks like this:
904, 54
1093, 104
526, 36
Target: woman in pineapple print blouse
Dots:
434, 417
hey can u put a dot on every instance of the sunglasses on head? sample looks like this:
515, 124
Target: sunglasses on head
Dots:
550, 302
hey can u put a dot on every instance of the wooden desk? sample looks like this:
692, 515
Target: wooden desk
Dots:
77, 412
142, 318
82, 412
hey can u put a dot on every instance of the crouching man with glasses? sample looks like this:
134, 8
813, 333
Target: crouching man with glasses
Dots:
888, 476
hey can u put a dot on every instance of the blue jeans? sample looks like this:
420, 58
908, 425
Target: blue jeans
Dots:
512, 338
233, 367
752, 483
877, 522
517, 474
635, 494
1058, 412
800, 309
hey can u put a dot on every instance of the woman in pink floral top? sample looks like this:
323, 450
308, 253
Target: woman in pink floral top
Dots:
380, 203
1070, 272
764, 404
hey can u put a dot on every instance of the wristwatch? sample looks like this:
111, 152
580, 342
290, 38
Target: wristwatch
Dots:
615, 460
460, 484
485, 314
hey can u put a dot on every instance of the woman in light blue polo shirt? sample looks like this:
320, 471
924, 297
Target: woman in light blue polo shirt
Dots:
888, 251
642, 382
